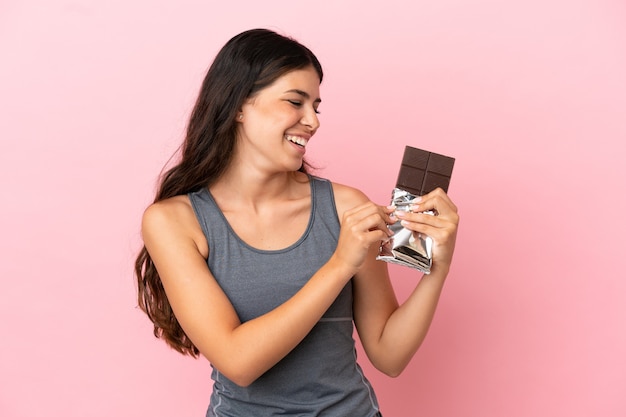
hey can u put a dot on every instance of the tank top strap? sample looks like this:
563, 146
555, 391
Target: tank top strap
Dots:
324, 203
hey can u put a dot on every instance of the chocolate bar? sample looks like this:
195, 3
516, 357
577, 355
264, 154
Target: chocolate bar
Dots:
422, 171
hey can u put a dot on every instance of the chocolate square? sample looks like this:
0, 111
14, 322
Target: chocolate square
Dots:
422, 171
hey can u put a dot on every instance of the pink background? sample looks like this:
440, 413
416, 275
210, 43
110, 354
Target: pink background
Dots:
529, 96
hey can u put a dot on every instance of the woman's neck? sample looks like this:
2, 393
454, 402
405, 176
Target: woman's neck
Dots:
252, 187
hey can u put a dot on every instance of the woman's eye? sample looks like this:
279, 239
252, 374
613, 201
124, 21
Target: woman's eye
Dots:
298, 103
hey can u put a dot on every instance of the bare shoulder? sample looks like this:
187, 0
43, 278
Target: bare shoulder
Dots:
347, 197
172, 210
172, 218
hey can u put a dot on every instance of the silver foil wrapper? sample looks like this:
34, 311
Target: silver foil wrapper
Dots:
404, 248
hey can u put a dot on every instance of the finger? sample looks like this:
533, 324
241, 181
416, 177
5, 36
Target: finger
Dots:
411, 220
427, 223
440, 235
373, 222
387, 215
437, 201
362, 211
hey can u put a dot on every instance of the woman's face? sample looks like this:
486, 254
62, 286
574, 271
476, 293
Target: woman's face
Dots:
279, 121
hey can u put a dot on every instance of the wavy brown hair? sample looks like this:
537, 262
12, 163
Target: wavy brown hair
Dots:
247, 63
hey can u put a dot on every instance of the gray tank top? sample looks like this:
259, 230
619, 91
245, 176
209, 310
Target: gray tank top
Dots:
320, 377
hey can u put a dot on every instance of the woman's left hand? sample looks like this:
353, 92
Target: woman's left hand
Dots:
441, 227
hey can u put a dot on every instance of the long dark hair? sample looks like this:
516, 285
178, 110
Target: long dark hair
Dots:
247, 63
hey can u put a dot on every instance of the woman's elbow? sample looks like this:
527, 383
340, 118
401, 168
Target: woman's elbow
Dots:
392, 369
242, 380
238, 373
392, 372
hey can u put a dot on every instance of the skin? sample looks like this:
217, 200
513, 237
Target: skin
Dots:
272, 196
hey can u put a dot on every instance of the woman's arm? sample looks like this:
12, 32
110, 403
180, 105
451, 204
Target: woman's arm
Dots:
391, 334
243, 352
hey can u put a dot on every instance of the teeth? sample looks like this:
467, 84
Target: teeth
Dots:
297, 139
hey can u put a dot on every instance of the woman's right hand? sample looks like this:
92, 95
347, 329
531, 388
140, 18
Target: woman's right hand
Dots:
361, 227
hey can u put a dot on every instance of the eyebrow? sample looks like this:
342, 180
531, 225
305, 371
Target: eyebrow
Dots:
304, 94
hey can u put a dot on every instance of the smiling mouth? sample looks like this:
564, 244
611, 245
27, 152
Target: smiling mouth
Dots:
297, 140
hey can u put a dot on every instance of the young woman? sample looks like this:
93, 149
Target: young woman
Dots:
263, 268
